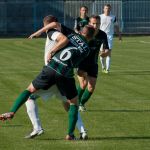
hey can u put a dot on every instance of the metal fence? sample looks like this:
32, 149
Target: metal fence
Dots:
22, 17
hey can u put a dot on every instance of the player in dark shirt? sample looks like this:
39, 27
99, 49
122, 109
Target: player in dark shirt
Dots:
82, 20
88, 69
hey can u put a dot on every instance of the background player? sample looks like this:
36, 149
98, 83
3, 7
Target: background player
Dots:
108, 22
82, 20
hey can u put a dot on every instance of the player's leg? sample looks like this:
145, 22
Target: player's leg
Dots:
92, 77
82, 78
43, 81
32, 111
21, 99
32, 108
102, 59
88, 92
108, 61
108, 58
80, 125
67, 88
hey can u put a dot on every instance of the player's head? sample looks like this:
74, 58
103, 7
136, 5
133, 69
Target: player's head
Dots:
88, 32
49, 19
83, 11
107, 8
94, 21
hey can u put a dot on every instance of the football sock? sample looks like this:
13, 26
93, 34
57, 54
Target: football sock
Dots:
107, 62
85, 97
32, 110
80, 125
80, 93
102, 62
22, 98
73, 116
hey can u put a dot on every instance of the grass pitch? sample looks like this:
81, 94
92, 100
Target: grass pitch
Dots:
118, 116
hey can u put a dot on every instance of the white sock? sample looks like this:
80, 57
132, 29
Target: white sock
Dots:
32, 110
80, 125
102, 62
107, 62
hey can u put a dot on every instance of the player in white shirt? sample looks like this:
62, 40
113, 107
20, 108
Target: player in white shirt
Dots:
108, 23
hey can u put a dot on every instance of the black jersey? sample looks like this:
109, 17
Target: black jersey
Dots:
95, 45
80, 23
70, 56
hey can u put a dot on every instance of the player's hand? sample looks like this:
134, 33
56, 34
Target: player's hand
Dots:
120, 38
49, 56
36, 34
31, 36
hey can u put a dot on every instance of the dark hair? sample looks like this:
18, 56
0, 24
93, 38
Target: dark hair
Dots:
107, 5
95, 17
49, 19
84, 7
88, 30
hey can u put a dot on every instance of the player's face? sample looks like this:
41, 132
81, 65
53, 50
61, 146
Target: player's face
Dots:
83, 11
107, 10
95, 23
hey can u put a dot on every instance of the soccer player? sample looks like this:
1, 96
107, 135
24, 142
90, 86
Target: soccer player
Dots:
88, 69
108, 23
82, 20
59, 72
32, 108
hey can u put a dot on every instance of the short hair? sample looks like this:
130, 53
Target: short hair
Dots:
95, 17
50, 18
88, 30
107, 5
84, 7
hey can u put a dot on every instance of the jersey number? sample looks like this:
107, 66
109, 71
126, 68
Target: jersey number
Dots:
66, 54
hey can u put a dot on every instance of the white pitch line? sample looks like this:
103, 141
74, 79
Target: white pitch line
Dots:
145, 42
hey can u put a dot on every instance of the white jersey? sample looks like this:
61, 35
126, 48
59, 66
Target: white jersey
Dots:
107, 23
49, 44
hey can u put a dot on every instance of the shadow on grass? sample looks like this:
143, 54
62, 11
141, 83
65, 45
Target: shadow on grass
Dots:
118, 110
49, 139
134, 72
120, 138
98, 138
10, 125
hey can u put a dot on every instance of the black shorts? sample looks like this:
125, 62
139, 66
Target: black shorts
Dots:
49, 77
91, 69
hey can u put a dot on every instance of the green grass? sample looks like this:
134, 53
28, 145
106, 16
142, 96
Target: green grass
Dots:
118, 116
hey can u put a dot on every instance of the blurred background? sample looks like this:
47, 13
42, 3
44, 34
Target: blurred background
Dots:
22, 17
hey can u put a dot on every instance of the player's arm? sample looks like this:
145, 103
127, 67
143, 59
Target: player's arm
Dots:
61, 41
52, 25
105, 50
117, 29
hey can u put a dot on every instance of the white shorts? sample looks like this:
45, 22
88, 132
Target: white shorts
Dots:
110, 41
49, 94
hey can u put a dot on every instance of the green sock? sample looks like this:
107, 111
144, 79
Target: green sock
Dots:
73, 117
22, 98
85, 97
80, 93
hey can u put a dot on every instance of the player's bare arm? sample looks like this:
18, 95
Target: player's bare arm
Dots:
52, 25
62, 41
118, 32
